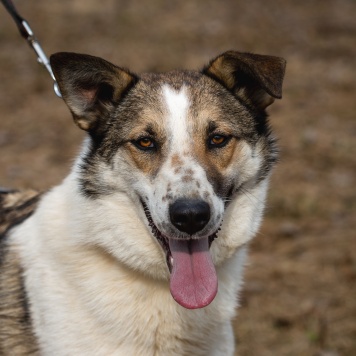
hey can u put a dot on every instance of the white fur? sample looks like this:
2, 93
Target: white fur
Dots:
177, 105
97, 279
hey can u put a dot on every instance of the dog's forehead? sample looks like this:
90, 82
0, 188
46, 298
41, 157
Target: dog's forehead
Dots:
172, 88
186, 93
162, 100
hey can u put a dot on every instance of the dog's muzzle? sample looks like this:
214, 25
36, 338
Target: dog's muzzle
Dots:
193, 280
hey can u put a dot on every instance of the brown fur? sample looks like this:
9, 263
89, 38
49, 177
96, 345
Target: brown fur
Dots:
16, 206
99, 89
257, 78
144, 160
176, 161
16, 337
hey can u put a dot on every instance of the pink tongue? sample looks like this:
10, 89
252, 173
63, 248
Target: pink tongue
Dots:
194, 283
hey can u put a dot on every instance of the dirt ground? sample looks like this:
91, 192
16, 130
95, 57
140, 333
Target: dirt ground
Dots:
299, 296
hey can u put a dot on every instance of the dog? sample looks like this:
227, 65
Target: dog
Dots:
141, 249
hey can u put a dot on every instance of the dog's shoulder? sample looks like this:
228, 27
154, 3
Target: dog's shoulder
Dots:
16, 206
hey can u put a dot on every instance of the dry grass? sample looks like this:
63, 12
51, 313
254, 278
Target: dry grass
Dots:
299, 296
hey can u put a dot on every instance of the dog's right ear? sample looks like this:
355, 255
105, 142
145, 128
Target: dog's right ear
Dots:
90, 86
255, 78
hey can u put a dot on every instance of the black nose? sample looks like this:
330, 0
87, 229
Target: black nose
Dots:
189, 215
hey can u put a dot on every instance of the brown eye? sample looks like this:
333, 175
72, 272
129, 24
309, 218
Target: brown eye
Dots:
216, 141
145, 143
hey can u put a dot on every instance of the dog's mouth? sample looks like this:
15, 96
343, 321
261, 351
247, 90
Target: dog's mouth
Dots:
193, 281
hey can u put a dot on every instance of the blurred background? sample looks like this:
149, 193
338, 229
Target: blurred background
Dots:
299, 296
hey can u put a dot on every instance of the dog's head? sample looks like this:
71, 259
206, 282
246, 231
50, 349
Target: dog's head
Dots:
185, 146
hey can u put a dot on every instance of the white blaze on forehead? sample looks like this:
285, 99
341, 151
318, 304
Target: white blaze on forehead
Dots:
177, 103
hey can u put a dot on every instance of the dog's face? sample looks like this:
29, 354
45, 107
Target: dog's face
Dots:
182, 145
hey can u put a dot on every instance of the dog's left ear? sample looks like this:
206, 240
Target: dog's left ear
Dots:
90, 86
255, 78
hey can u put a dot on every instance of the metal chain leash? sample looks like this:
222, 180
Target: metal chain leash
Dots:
27, 33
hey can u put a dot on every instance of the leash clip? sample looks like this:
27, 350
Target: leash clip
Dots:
28, 34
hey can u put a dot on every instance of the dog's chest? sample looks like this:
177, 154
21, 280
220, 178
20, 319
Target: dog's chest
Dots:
138, 320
